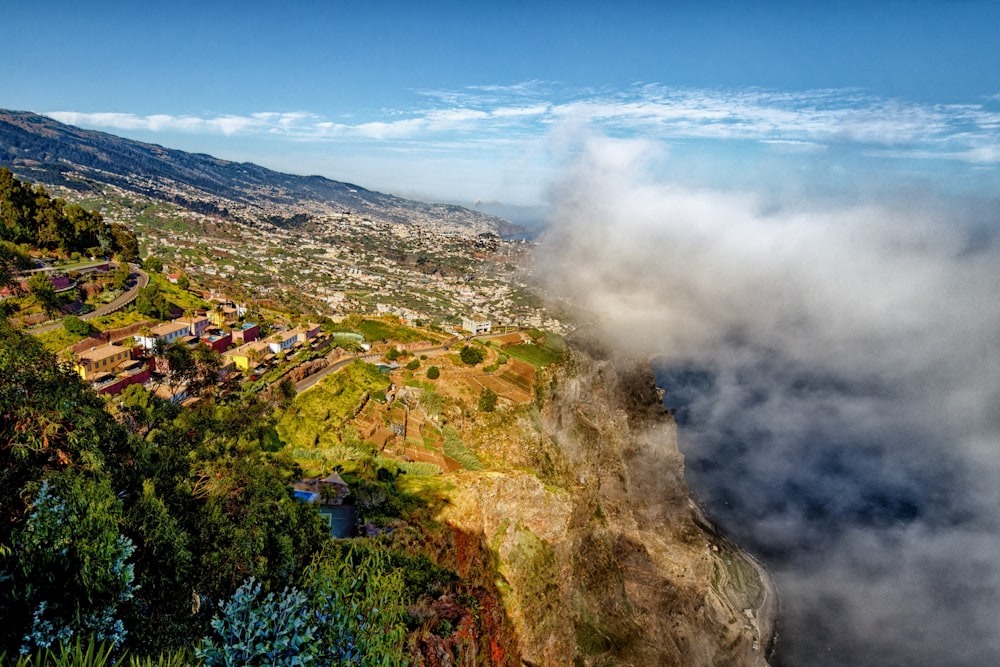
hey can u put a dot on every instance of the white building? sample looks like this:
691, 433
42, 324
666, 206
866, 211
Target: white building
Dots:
476, 324
168, 331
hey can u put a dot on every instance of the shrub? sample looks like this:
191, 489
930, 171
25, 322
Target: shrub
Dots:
78, 327
433, 373
488, 400
413, 365
348, 611
472, 355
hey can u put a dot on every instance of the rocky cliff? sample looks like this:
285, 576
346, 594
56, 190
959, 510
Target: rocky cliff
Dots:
589, 544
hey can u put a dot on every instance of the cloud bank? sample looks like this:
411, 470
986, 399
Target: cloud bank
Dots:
837, 372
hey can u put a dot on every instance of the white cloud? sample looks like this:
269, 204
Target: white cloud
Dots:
889, 128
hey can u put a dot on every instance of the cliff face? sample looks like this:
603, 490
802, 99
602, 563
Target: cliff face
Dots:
596, 557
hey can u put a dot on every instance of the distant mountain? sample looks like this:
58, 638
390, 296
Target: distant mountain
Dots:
46, 151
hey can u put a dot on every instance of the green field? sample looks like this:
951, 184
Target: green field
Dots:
315, 419
547, 348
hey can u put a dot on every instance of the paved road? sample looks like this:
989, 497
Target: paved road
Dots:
138, 278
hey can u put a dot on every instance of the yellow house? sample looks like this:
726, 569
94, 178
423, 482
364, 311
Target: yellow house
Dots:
101, 359
249, 355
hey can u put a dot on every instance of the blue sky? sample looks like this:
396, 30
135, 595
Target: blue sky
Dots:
485, 101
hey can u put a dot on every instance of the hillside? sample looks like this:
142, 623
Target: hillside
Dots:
46, 151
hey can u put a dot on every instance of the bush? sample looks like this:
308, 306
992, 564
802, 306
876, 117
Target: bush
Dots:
78, 327
275, 629
433, 373
488, 400
472, 355
413, 365
349, 611
153, 264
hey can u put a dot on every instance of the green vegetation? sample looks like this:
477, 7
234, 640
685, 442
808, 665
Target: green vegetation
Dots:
488, 400
33, 218
455, 448
472, 355
316, 418
378, 329
433, 373
78, 327
348, 611
121, 318
114, 530
546, 348
175, 294
152, 264
97, 654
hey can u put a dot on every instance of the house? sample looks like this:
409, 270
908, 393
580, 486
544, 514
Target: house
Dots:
307, 332
198, 325
328, 495
218, 341
101, 359
476, 324
247, 356
129, 372
283, 341
247, 333
168, 331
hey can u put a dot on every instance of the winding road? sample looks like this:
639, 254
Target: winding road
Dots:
137, 278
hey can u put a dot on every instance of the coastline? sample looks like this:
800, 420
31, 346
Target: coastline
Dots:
765, 616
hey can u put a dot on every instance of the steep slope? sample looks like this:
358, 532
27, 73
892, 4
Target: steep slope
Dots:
50, 152
598, 555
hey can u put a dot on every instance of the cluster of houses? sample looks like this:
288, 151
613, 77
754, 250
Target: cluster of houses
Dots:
254, 353
110, 367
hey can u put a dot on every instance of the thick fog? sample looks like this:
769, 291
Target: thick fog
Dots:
835, 364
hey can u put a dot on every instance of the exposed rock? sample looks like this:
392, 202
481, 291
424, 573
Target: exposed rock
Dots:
605, 561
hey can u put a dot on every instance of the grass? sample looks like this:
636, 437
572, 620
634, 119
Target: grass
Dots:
175, 295
58, 339
116, 320
537, 355
316, 417
456, 449
376, 329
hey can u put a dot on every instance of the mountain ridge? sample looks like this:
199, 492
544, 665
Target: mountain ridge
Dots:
53, 153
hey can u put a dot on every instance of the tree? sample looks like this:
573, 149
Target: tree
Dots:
207, 363
286, 392
151, 302
471, 355
392, 354
120, 278
141, 411
78, 327
183, 282
487, 400
71, 571
153, 264
433, 373
64, 459
180, 362
12, 262
44, 293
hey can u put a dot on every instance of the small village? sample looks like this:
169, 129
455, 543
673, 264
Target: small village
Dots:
420, 271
